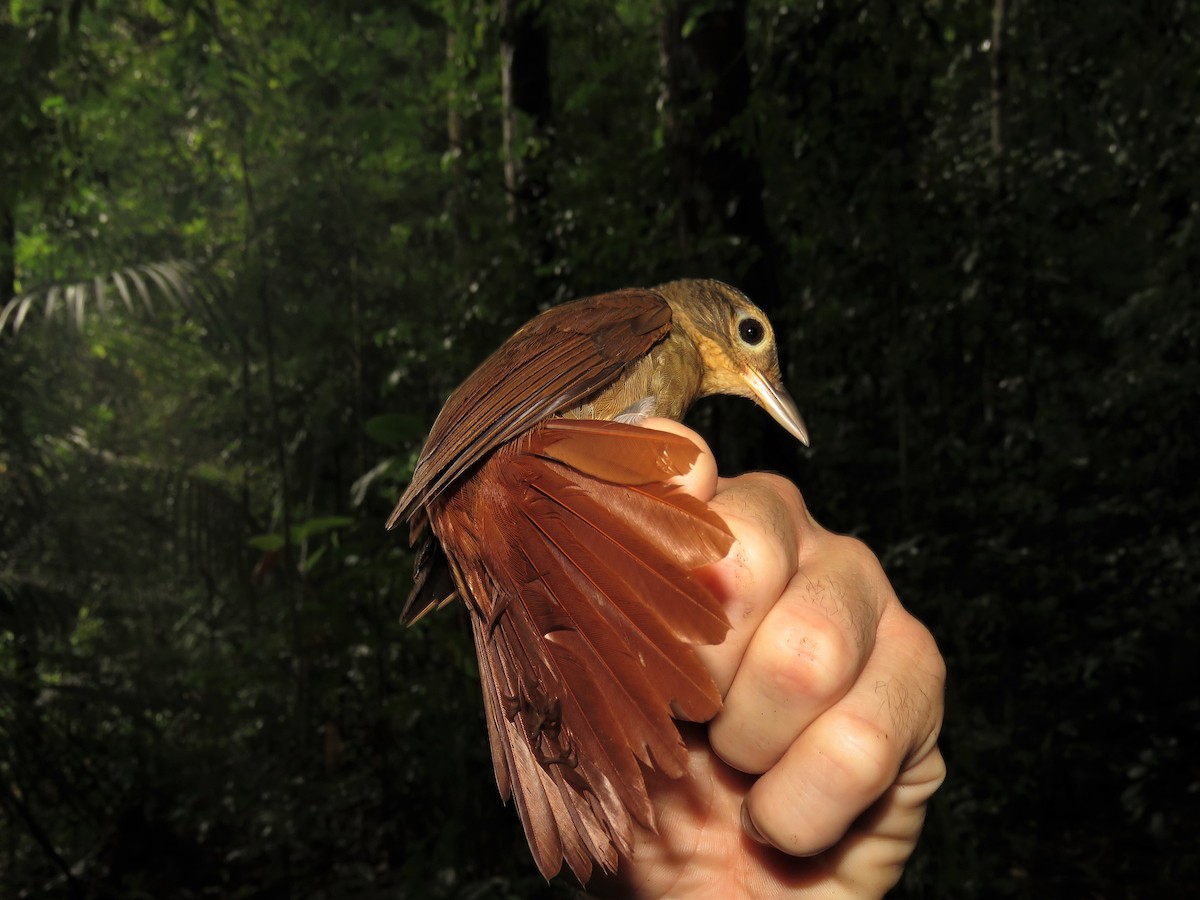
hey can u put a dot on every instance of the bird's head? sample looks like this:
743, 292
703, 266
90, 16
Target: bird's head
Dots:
736, 344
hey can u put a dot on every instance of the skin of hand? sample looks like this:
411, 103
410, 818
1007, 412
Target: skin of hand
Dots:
812, 780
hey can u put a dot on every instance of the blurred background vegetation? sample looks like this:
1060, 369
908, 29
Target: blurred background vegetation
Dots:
246, 248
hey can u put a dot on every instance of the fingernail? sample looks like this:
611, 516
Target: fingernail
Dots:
752, 831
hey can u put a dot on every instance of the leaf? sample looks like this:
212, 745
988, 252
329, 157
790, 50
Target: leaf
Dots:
314, 558
266, 542
394, 429
391, 467
172, 281
300, 532
319, 525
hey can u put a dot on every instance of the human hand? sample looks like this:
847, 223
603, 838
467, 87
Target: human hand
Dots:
813, 778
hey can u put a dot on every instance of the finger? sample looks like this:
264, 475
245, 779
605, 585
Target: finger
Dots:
851, 755
765, 513
808, 651
701, 480
871, 858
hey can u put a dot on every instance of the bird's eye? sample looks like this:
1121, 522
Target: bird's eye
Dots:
751, 331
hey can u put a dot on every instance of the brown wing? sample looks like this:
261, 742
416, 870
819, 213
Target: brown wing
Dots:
575, 559
558, 359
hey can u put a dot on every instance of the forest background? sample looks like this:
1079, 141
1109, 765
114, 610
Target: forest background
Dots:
247, 248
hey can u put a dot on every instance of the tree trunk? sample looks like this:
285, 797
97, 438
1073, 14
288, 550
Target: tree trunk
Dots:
8, 255
707, 87
457, 139
13, 437
707, 90
464, 136
527, 128
999, 83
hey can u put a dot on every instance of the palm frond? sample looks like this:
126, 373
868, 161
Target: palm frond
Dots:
142, 289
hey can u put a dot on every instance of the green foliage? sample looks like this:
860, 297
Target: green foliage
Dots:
992, 330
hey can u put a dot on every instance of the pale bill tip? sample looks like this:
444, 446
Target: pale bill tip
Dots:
779, 404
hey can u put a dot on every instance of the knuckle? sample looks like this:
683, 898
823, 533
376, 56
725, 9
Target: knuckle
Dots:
771, 560
764, 527
935, 770
785, 489
810, 657
859, 556
929, 666
863, 755
779, 495
926, 648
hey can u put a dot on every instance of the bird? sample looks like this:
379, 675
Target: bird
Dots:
540, 502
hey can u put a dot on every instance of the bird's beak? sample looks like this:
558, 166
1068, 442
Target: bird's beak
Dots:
775, 399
